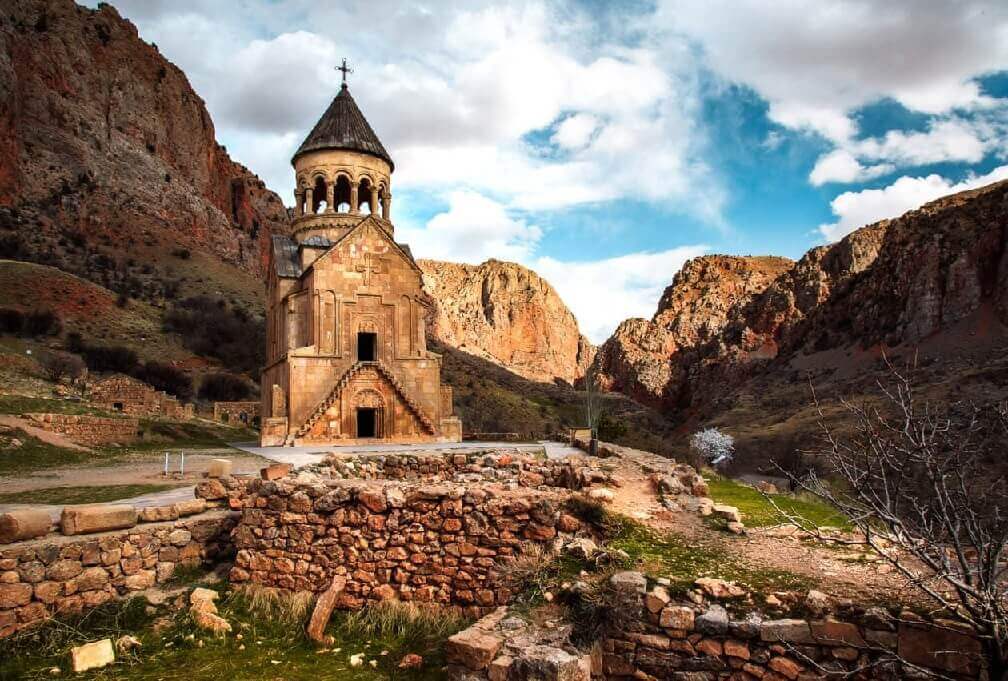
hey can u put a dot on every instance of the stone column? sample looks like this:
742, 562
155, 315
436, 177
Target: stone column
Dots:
309, 202
374, 201
330, 190
387, 206
354, 207
298, 203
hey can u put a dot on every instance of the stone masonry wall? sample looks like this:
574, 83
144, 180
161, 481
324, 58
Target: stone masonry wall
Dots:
441, 543
51, 575
86, 429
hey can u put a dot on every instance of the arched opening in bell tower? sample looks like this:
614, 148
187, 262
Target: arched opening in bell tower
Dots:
341, 194
318, 195
364, 197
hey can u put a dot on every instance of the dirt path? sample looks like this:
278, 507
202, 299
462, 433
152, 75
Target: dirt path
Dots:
139, 468
835, 571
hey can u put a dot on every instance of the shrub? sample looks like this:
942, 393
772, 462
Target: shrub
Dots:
209, 327
11, 321
111, 358
166, 377
42, 323
221, 387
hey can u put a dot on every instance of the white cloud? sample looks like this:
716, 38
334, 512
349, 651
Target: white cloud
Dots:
575, 131
816, 62
857, 209
602, 293
473, 229
945, 140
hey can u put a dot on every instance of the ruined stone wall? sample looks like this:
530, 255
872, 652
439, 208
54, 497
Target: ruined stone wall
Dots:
131, 396
230, 412
54, 574
86, 429
440, 543
649, 636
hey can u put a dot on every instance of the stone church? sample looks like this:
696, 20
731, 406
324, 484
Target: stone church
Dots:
347, 357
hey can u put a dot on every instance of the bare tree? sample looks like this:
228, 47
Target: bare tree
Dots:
59, 365
922, 487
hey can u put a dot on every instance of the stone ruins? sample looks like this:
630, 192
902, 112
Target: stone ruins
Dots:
347, 356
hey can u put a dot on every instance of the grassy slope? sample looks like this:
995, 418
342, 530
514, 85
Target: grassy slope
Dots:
80, 495
489, 398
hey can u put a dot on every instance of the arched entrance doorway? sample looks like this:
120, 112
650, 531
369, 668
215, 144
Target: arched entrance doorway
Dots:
368, 414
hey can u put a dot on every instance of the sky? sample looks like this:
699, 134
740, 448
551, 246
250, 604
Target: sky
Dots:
603, 144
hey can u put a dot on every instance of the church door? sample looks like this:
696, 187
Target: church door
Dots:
367, 422
367, 347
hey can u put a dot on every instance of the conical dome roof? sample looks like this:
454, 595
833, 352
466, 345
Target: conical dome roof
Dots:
343, 126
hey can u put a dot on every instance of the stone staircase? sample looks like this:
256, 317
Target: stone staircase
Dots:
344, 381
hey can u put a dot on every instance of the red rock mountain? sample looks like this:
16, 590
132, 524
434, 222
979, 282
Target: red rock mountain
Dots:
507, 314
102, 140
937, 275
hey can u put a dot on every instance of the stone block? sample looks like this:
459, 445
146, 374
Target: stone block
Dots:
834, 633
92, 655
24, 524
939, 648
190, 507
275, 471
787, 631
729, 513
628, 582
97, 518
472, 648
323, 609
219, 468
211, 489
714, 621
15, 595
548, 663
677, 617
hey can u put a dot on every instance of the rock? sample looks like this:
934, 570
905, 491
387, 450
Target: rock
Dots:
834, 633
786, 667
786, 631
581, 547
411, 661
719, 588
211, 622
656, 599
90, 518
507, 314
92, 655
179, 537
817, 602
714, 622
736, 528
126, 642
567, 523
275, 471
323, 609
677, 617
766, 487
201, 594
189, 507
939, 648
628, 582
499, 668
24, 524
219, 468
144, 579
211, 490
15, 595
357, 660
156, 514
602, 494
472, 648
729, 513
548, 663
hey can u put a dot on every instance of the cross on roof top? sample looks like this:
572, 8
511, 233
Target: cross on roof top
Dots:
345, 69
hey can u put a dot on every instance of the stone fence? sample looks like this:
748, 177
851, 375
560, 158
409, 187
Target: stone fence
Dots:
441, 543
647, 635
513, 469
86, 429
43, 577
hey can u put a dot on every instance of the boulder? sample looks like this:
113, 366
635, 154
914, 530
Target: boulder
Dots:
729, 513
90, 518
24, 524
92, 655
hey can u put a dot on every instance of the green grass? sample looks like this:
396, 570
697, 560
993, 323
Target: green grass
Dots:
270, 648
20, 404
35, 455
681, 559
189, 434
757, 512
80, 495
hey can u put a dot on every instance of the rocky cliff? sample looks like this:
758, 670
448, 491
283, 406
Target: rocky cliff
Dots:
507, 314
103, 141
900, 283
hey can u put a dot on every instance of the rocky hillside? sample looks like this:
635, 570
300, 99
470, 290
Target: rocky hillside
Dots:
735, 340
108, 160
507, 314
643, 358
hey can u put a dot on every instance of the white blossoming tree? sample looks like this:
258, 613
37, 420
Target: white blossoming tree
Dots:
712, 447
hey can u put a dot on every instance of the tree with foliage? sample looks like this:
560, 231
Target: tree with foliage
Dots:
928, 480
166, 377
222, 387
712, 447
